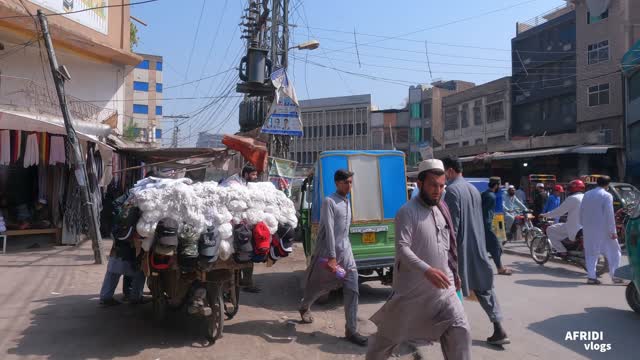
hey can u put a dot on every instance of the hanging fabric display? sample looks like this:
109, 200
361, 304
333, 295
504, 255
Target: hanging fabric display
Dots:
31, 152
16, 142
5, 147
56, 150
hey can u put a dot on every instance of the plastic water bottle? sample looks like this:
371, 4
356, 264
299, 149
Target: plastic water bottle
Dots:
340, 273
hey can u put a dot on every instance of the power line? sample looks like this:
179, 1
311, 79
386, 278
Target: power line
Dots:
83, 10
213, 41
195, 39
199, 80
447, 23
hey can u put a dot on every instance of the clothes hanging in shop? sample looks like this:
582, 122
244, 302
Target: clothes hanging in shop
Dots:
56, 150
16, 145
5, 147
31, 152
44, 147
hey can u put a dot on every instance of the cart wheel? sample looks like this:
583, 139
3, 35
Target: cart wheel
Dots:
633, 297
215, 322
231, 301
159, 299
540, 250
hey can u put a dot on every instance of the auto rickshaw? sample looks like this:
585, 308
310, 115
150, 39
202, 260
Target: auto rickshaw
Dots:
379, 190
633, 233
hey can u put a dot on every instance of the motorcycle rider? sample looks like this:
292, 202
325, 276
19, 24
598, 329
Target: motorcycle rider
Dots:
571, 208
512, 207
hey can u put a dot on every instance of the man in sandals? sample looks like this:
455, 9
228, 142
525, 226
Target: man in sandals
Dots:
333, 251
465, 205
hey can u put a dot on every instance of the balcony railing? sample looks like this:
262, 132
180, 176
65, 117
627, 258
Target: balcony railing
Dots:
27, 94
543, 18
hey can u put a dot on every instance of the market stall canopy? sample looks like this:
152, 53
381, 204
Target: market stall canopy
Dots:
252, 150
173, 154
587, 149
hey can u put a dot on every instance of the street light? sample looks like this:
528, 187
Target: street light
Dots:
308, 45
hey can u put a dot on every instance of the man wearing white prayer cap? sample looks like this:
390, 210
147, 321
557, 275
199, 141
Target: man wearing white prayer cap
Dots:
424, 306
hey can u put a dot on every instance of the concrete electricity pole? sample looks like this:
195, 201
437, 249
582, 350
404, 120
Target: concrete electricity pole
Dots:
77, 157
176, 128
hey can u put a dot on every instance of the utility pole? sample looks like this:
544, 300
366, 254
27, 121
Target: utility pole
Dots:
176, 128
77, 158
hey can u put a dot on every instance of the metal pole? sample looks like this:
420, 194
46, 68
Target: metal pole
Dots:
77, 157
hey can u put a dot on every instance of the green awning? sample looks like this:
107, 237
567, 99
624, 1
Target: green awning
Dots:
631, 60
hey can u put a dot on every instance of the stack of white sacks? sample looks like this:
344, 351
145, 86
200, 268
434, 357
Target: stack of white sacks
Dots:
202, 205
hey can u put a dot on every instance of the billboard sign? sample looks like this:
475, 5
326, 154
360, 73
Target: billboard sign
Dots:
96, 19
284, 115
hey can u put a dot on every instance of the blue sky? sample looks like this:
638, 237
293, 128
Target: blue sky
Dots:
466, 40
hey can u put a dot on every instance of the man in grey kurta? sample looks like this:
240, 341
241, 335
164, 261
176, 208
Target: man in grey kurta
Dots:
333, 249
424, 306
465, 205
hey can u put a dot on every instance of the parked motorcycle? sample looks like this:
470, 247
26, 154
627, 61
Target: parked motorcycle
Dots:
524, 226
542, 251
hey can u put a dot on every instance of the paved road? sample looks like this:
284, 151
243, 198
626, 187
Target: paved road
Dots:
49, 310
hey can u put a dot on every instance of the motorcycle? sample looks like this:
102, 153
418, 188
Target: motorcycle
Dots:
622, 217
542, 250
524, 225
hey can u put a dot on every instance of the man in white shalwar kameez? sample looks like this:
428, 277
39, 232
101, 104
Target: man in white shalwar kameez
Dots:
424, 306
571, 208
599, 230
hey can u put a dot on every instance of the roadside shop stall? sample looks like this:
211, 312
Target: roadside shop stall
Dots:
38, 189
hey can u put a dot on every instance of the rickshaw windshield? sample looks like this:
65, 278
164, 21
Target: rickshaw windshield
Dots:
629, 194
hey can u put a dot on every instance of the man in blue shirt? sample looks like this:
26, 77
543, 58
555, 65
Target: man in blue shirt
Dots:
553, 202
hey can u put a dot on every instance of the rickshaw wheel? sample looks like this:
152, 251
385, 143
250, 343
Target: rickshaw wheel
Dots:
232, 298
633, 298
215, 322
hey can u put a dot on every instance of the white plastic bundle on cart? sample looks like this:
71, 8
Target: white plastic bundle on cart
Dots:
206, 204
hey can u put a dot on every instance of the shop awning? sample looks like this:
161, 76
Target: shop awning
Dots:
176, 154
587, 149
20, 120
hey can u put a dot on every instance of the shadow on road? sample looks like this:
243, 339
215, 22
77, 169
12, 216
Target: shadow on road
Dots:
550, 283
531, 268
284, 332
75, 327
620, 329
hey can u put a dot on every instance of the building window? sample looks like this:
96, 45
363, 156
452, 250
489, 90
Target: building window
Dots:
334, 132
320, 128
158, 65
451, 119
477, 112
478, 141
327, 131
426, 134
595, 19
465, 143
339, 130
158, 133
426, 110
350, 129
598, 52
364, 129
158, 87
345, 128
495, 112
495, 140
140, 109
599, 95
414, 111
140, 86
144, 64
451, 146
158, 110
464, 116
358, 129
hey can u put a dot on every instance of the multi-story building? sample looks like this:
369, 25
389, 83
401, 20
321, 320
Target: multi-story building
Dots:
208, 140
477, 116
544, 74
94, 45
336, 123
425, 114
390, 130
144, 112
631, 71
